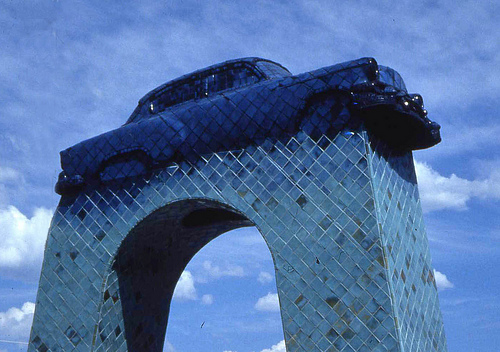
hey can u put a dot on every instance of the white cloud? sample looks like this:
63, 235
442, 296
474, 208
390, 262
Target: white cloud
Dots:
268, 303
439, 192
168, 347
22, 241
442, 281
207, 299
279, 347
7, 174
264, 277
185, 290
11, 184
216, 272
15, 323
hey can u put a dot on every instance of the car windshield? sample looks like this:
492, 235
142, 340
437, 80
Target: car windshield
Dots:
272, 69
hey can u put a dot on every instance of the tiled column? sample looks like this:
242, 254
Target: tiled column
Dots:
411, 277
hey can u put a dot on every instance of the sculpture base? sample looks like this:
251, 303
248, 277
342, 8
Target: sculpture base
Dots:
341, 217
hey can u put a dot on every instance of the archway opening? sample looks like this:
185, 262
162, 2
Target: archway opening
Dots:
226, 299
148, 265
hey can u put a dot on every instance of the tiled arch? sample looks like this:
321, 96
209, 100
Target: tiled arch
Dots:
323, 207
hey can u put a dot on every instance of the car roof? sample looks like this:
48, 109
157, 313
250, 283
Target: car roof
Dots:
262, 68
246, 61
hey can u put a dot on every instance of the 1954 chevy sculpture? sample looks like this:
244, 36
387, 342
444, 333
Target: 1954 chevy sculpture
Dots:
320, 163
241, 102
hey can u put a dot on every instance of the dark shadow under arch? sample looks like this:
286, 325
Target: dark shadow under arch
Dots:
148, 265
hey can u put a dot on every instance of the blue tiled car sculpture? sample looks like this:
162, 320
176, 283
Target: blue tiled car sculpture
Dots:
243, 102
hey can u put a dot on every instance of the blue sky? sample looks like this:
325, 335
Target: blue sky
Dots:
70, 70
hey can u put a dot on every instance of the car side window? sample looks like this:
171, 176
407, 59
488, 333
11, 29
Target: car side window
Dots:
200, 85
204, 85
